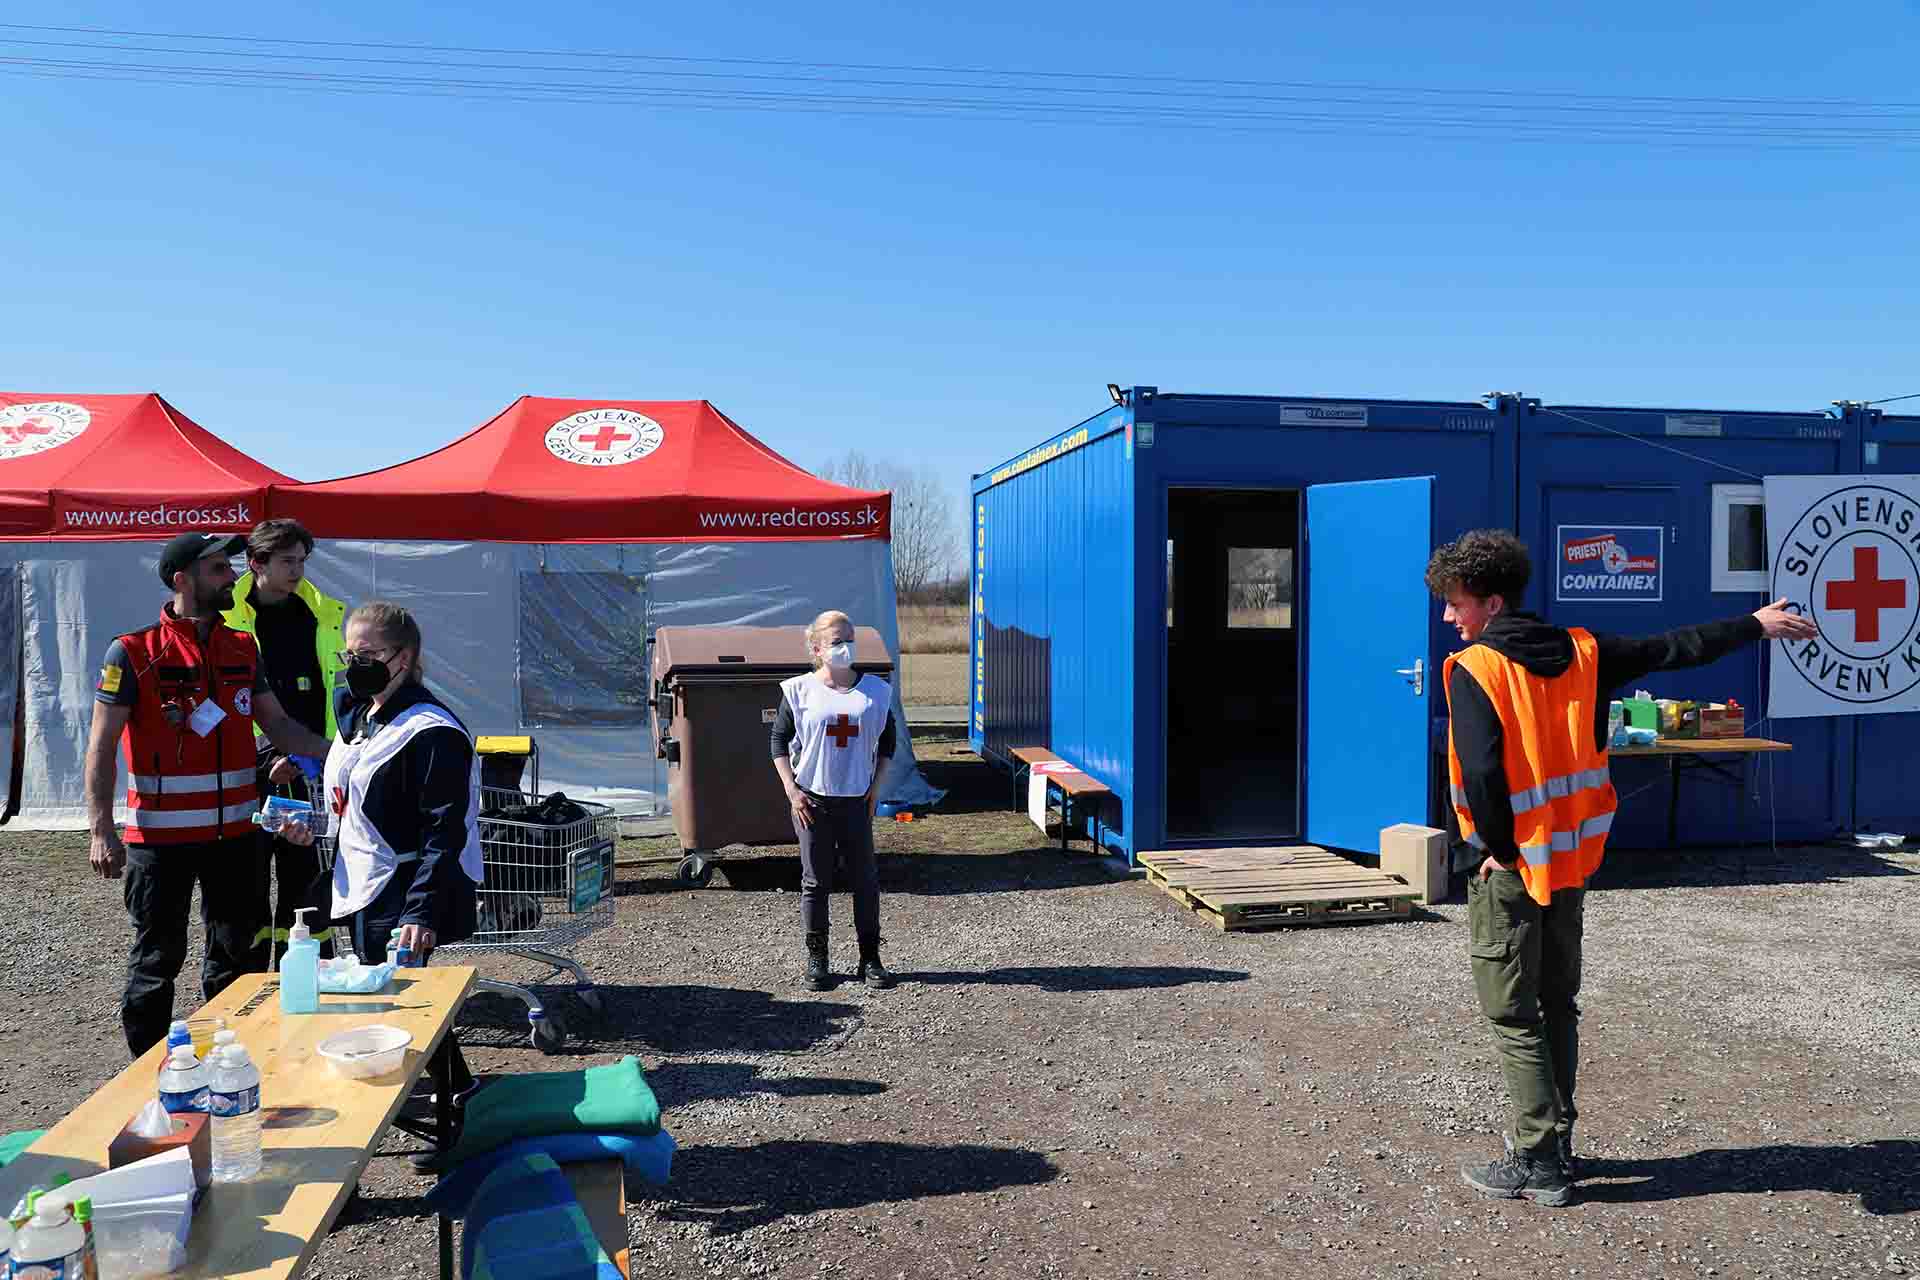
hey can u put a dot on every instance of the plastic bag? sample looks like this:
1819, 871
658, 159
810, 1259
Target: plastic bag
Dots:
359, 979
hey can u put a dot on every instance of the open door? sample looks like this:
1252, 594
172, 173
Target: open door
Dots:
1367, 688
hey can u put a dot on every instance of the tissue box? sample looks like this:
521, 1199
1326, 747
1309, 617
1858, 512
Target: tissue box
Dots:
190, 1130
1642, 713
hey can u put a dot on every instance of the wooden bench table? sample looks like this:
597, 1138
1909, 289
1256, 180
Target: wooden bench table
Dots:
1074, 783
318, 1128
1695, 755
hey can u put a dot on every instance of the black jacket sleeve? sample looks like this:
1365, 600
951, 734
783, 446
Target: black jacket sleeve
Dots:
1483, 775
1624, 659
784, 730
439, 770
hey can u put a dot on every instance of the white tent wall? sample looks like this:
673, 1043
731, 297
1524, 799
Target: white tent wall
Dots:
10, 659
494, 615
75, 597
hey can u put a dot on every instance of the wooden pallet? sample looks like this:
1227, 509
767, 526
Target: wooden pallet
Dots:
1273, 888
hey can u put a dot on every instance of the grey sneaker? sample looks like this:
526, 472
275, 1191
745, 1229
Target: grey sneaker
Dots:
1516, 1177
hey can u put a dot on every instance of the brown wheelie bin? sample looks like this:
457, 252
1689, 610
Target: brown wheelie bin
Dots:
715, 693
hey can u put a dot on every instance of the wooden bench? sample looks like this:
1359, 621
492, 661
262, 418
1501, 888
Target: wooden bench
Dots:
1075, 785
601, 1188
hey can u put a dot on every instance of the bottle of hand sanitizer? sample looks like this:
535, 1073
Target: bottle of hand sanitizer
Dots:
300, 968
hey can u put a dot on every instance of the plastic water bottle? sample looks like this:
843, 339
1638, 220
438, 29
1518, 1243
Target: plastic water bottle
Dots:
178, 1033
234, 1104
300, 968
183, 1082
6, 1248
52, 1246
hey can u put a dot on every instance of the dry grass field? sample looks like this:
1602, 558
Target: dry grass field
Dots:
933, 628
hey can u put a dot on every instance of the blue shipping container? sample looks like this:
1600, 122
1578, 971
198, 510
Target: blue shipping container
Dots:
1214, 604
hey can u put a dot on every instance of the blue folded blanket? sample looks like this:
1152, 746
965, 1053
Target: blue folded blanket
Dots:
526, 1224
648, 1158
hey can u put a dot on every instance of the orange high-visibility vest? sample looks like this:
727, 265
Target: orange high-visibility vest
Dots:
1563, 800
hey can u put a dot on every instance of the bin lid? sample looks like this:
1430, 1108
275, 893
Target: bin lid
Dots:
759, 651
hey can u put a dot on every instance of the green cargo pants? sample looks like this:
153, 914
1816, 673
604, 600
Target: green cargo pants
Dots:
1526, 967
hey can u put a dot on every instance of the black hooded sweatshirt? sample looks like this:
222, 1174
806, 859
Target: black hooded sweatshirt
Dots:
1546, 650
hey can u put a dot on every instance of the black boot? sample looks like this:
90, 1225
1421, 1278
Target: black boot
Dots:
818, 978
872, 972
1542, 1181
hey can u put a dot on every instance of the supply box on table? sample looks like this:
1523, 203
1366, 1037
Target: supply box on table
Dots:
716, 692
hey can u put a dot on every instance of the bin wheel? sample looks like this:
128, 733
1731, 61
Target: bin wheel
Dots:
696, 872
549, 1033
592, 999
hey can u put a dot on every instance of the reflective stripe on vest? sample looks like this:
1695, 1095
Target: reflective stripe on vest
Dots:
1563, 808
176, 784
173, 819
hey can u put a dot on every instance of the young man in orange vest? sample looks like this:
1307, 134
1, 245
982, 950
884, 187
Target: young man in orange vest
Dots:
1527, 754
181, 698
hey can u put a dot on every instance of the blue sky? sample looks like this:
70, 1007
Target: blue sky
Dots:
338, 282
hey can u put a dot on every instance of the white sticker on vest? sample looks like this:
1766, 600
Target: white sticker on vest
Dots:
206, 716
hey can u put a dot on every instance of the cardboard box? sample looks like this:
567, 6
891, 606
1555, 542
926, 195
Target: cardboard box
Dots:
1723, 722
190, 1130
1418, 856
1642, 713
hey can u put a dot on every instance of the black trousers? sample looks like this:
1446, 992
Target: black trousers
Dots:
369, 930
158, 888
838, 847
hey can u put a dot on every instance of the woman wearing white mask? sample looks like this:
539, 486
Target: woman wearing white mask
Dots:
831, 738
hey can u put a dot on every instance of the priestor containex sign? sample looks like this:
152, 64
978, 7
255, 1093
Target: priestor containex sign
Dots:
1846, 553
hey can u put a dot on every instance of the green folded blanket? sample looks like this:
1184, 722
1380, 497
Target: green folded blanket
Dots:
610, 1099
14, 1143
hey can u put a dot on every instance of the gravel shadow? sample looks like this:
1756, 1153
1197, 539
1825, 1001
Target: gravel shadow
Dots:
1883, 1176
1734, 867
931, 874
666, 1019
681, 1084
735, 1189
1068, 978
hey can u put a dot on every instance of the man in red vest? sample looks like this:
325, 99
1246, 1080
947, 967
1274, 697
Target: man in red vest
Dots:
180, 699
1527, 707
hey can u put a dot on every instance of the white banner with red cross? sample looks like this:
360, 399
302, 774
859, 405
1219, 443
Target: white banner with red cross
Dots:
1846, 552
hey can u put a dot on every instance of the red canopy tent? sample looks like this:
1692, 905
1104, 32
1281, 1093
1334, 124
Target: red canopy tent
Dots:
550, 470
119, 467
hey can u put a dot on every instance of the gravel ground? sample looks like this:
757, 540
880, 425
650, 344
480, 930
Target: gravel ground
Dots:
1076, 1078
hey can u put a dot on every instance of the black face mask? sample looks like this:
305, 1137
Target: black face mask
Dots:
367, 678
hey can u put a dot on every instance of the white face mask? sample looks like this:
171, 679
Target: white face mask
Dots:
840, 656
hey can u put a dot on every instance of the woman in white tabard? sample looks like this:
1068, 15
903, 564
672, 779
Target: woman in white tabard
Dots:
832, 737
403, 787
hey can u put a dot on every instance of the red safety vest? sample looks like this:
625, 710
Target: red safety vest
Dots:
1563, 799
183, 786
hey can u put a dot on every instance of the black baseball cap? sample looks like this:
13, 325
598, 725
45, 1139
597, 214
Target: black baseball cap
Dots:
181, 553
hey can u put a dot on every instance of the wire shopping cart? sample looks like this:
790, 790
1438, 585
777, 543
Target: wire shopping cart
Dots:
546, 885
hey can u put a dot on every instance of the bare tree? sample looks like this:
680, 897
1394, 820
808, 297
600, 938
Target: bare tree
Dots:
926, 542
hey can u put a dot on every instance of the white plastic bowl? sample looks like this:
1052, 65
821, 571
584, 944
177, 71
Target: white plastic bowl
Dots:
366, 1052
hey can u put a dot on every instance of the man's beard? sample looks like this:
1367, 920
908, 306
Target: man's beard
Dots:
218, 601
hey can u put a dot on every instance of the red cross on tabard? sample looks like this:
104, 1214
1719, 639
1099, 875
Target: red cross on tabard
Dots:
1867, 594
843, 731
603, 439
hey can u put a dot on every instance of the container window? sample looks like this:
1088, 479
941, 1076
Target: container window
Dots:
1739, 537
582, 653
1259, 588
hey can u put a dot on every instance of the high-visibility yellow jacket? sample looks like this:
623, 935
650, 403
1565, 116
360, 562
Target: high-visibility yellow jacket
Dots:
330, 614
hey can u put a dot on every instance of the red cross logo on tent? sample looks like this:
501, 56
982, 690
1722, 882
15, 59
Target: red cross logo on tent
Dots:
603, 439
1866, 594
35, 428
17, 432
843, 731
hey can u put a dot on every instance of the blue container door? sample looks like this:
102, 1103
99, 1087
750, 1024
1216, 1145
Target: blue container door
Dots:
1884, 797
1368, 620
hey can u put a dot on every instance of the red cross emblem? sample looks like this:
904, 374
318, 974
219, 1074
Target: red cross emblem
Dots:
843, 731
17, 432
1866, 594
605, 438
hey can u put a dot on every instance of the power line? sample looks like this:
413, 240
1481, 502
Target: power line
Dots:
1125, 78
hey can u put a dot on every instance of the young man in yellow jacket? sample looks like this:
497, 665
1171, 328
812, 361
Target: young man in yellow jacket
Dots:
1527, 757
298, 631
